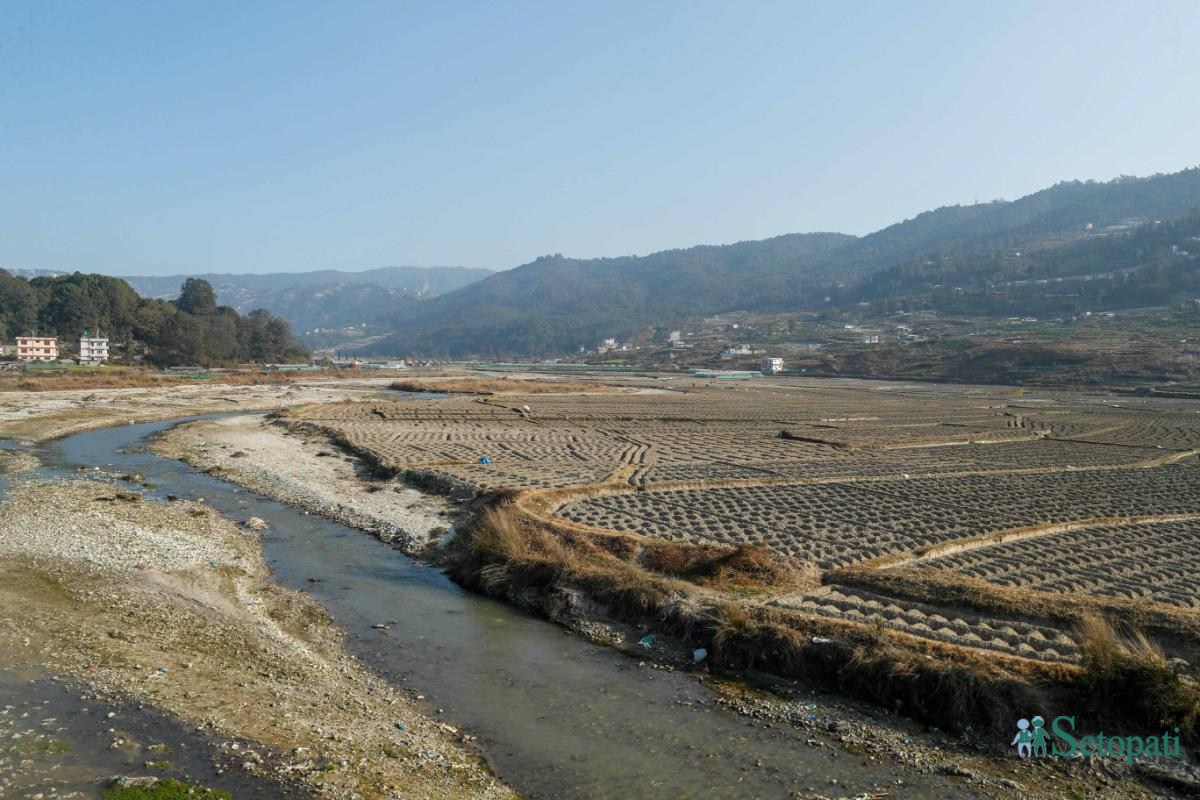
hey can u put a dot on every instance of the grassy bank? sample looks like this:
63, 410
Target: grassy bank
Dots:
711, 602
713, 597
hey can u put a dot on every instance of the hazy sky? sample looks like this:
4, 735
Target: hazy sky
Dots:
253, 136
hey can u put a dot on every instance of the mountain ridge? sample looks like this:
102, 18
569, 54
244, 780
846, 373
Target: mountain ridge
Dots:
522, 312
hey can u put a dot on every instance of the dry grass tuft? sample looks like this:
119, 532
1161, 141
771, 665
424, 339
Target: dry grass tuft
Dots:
1128, 681
744, 566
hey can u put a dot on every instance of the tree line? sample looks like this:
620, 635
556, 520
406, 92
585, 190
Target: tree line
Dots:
192, 329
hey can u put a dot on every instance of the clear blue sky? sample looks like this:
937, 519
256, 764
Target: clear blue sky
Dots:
167, 137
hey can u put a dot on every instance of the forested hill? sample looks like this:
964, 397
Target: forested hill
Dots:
191, 329
1064, 209
556, 304
1156, 263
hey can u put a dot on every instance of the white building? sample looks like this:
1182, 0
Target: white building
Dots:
93, 349
37, 348
870, 338
772, 366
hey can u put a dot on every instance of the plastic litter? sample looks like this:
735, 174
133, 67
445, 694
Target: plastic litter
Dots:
699, 654
647, 641
821, 640
485, 460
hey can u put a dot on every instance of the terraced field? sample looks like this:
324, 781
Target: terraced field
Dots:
954, 626
1152, 560
1047, 493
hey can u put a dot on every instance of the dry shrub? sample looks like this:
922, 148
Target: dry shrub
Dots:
514, 558
946, 692
1127, 680
507, 553
499, 496
741, 641
744, 566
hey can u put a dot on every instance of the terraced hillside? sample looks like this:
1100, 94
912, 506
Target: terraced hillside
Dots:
902, 498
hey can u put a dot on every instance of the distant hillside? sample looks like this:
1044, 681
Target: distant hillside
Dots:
412, 280
325, 298
1063, 210
556, 304
1152, 264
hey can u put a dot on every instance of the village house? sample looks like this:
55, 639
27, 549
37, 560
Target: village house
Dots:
37, 348
93, 349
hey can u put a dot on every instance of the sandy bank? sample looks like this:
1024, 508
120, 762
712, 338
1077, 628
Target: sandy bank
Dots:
311, 474
38, 416
170, 604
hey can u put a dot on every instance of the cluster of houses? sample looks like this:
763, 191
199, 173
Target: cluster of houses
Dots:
28, 349
611, 345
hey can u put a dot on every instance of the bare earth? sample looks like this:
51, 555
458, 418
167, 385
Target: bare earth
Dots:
312, 474
171, 605
38, 416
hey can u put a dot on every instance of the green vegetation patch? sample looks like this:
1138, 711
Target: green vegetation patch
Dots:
47, 746
165, 790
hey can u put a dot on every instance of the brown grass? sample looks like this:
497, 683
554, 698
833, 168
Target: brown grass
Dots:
141, 378
496, 385
743, 567
1127, 680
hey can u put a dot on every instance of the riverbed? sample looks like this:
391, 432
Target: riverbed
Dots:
554, 715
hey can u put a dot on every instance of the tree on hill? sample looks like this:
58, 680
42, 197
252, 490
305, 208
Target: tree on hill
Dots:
197, 297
